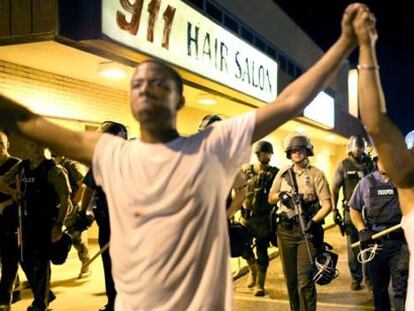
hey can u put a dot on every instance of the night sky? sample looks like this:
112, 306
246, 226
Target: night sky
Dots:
395, 46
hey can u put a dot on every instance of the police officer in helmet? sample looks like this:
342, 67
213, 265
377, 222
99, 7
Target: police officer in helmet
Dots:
349, 171
293, 243
256, 213
409, 141
375, 207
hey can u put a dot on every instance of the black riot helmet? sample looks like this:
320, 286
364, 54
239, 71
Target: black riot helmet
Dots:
325, 266
208, 120
114, 128
296, 141
409, 140
263, 146
356, 142
59, 250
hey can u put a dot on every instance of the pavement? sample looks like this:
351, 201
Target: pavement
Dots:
87, 294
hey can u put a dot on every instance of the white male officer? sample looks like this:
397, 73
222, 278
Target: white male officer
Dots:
357, 165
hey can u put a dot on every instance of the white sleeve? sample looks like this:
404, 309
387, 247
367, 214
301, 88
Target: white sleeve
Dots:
106, 158
231, 141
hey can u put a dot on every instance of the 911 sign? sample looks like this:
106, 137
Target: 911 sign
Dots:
175, 32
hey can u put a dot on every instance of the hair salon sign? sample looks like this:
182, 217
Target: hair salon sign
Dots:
173, 31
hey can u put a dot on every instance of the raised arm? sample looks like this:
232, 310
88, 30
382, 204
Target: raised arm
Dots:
75, 145
389, 142
301, 92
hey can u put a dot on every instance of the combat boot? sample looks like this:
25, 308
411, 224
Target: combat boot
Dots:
261, 278
252, 275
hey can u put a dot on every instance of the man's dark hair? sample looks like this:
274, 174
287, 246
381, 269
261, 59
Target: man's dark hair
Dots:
172, 73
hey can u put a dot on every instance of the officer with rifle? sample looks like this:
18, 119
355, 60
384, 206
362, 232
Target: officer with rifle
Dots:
357, 165
255, 214
300, 232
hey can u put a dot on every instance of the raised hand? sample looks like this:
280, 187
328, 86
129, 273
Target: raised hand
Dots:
364, 26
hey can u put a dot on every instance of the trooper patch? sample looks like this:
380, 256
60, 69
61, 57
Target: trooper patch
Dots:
385, 191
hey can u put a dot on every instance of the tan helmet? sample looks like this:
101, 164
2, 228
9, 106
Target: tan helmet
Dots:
295, 141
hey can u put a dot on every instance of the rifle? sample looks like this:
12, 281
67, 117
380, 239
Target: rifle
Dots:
297, 200
339, 221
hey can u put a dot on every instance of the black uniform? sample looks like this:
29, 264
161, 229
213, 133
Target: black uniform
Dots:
9, 252
347, 176
40, 208
379, 200
100, 210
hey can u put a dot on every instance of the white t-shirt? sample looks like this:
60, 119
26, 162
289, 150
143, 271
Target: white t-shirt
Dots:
169, 240
408, 226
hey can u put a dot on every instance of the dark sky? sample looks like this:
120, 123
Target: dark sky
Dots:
395, 47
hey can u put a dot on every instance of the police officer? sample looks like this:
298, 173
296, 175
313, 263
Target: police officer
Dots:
255, 213
75, 177
95, 196
409, 141
45, 198
9, 252
357, 165
294, 245
374, 208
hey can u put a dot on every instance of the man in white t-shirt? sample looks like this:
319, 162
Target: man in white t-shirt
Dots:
395, 156
166, 193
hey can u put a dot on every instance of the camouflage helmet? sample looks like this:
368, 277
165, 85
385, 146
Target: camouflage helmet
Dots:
208, 120
356, 142
409, 140
296, 141
263, 146
114, 128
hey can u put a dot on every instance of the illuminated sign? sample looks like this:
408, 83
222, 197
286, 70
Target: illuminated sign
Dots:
322, 110
175, 32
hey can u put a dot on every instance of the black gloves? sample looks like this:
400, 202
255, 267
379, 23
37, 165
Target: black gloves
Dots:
337, 216
285, 198
365, 238
311, 227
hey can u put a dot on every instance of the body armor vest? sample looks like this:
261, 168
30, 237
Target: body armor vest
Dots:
67, 165
258, 185
354, 171
383, 208
38, 196
8, 221
4, 168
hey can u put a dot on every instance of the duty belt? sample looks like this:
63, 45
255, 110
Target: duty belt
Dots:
246, 213
287, 222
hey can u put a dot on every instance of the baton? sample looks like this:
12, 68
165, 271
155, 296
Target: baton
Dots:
92, 259
379, 234
20, 216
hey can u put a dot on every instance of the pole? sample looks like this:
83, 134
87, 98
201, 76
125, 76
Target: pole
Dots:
379, 234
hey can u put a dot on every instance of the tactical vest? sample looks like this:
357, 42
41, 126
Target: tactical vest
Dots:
354, 171
39, 198
67, 165
4, 168
8, 220
383, 208
258, 185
